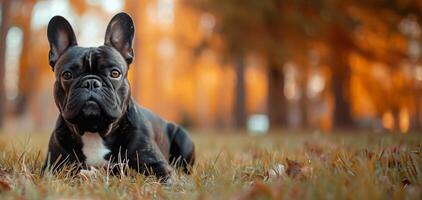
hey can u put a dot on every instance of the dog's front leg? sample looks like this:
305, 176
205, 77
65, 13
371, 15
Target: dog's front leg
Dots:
61, 153
147, 158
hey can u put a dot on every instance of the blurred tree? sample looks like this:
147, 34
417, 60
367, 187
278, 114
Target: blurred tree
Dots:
26, 67
234, 27
396, 23
273, 47
332, 24
5, 9
252, 26
340, 42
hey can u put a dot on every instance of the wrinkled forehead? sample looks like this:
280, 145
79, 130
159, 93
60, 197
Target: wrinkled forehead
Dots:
91, 58
108, 56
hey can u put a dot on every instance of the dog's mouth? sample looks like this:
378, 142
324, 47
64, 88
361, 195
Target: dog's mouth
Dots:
91, 117
91, 109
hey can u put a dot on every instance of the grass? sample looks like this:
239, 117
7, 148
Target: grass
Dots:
236, 166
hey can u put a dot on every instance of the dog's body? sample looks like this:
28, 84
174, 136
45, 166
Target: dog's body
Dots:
99, 123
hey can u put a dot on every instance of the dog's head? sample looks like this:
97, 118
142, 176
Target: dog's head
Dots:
91, 89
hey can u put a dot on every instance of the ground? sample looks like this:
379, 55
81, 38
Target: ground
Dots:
237, 166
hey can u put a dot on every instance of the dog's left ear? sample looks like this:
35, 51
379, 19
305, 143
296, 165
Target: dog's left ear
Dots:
119, 34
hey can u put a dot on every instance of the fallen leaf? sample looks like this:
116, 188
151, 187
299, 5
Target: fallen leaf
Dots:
297, 170
4, 183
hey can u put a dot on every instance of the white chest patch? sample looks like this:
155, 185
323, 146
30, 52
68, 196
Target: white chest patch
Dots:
94, 149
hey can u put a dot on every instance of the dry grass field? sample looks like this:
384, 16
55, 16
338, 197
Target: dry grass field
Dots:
236, 166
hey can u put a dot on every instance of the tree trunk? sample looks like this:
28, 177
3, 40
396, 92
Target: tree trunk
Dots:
240, 94
304, 101
276, 100
3, 33
340, 44
417, 118
396, 120
340, 86
26, 70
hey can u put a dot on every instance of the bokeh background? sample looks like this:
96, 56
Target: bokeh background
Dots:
252, 65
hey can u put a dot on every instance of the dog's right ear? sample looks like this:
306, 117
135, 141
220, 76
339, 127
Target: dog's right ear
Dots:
60, 36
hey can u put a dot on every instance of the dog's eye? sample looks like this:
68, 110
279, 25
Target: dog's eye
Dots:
115, 74
67, 75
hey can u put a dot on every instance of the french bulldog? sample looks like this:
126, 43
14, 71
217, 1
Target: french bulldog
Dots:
100, 124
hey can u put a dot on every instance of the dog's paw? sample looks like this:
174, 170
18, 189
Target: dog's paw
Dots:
88, 173
170, 179
164, 172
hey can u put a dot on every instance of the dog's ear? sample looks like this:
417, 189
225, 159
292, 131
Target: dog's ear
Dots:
60, 36
119, 34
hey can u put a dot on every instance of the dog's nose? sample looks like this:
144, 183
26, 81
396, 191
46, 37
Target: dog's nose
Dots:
91, 84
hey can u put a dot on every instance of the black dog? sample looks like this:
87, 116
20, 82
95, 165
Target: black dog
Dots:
99, 122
